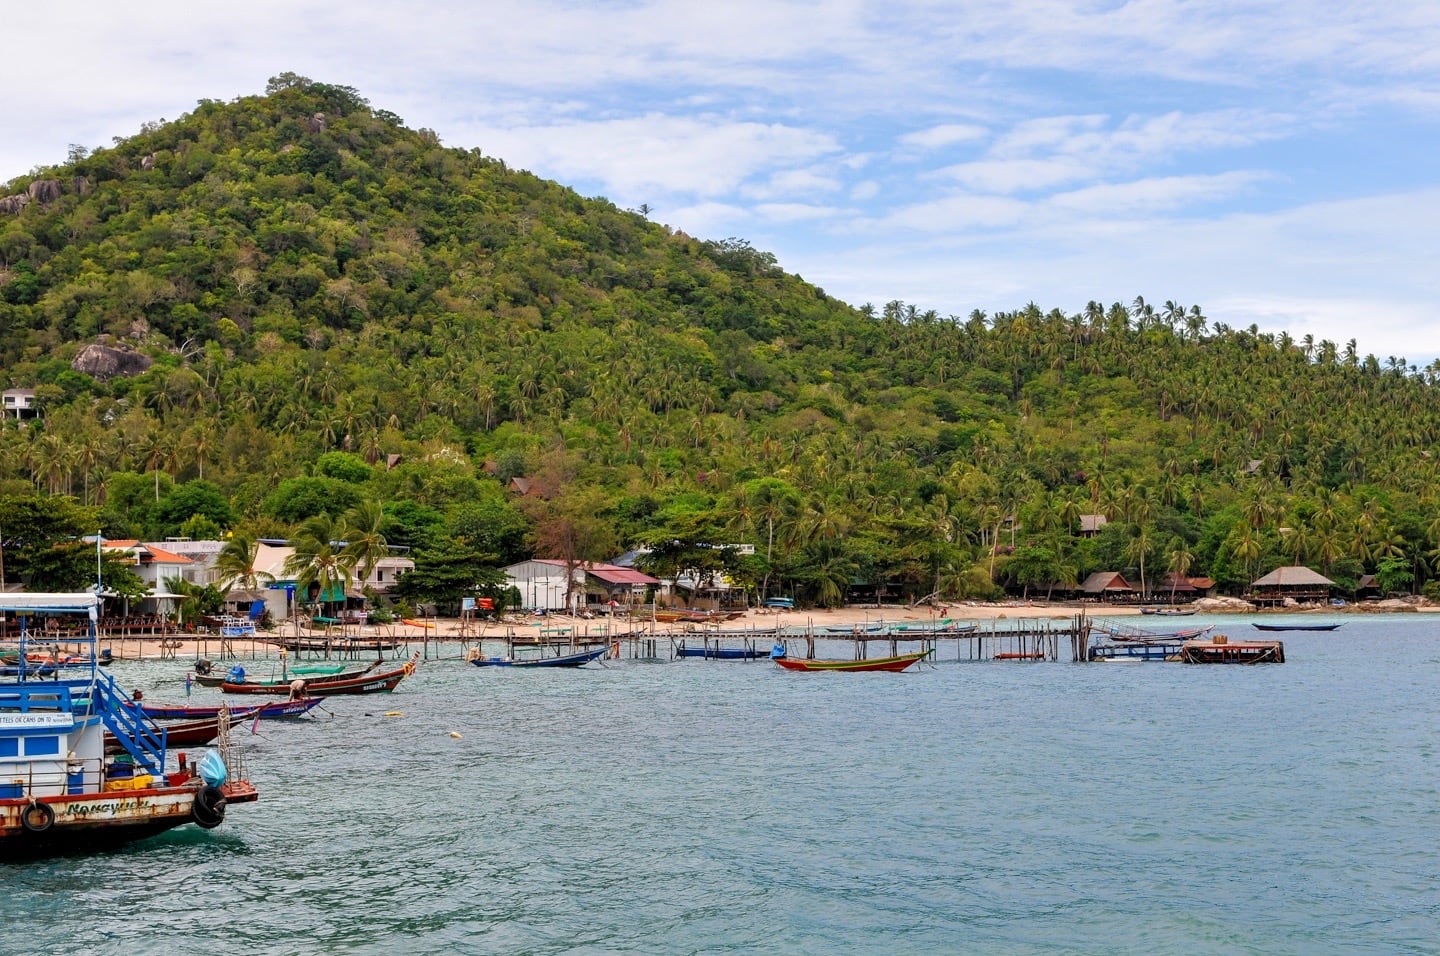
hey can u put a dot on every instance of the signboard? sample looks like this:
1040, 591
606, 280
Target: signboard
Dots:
40, 721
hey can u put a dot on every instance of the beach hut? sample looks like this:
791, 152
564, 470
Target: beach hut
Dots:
1108, 586
1295, 583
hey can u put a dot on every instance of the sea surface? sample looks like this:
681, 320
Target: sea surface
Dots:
726, 807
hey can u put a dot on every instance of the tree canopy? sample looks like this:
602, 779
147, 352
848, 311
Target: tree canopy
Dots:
277, 309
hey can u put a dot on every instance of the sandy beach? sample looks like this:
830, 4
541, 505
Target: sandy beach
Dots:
190, 646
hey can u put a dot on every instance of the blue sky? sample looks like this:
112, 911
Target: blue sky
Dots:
1275, 163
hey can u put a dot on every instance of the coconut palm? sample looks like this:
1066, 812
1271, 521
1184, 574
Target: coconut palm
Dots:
365, 545
235, 564
319, 563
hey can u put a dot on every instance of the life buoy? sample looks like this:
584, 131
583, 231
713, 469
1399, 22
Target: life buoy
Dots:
209, 807
38, 817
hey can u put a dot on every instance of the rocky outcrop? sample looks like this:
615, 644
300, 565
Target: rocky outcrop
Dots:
1221, 605
104, 362
44, 190
12, 205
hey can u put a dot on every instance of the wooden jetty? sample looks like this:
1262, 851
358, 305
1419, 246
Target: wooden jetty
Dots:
1221, 650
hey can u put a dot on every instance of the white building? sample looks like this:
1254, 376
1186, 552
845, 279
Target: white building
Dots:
542, 584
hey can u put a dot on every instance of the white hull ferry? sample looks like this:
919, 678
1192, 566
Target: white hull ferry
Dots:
59, 789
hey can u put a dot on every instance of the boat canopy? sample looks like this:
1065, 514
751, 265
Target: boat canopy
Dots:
53, 603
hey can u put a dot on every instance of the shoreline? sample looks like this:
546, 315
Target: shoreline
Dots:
186, 646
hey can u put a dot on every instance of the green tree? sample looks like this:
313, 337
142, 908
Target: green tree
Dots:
323, 572
235, 565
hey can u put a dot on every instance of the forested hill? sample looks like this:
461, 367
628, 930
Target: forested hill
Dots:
307, 306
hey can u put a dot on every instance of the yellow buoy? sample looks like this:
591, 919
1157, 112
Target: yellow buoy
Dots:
455, 734
394, 713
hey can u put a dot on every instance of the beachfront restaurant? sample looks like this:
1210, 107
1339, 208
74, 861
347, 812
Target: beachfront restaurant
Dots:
1298, 584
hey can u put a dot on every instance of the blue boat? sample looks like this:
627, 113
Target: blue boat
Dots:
59, 789
577, 659
715, 652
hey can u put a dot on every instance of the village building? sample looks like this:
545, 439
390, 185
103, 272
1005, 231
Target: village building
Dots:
544, 584
19, 403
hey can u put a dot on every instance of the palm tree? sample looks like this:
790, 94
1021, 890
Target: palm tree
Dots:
1180, 559
365, 545
319, 563
1138, 548
235, 564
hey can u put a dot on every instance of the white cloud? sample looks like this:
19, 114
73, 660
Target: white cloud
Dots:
1018, 175
630, 157
1153, 195
946, 134
794, 212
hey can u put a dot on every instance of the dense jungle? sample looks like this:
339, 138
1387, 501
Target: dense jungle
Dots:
289, 315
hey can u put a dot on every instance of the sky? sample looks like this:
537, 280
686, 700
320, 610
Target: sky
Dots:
1276, 163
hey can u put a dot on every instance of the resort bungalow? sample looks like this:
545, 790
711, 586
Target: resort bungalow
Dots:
1107, 586
1091, 525
1367, 588
1176, 588
1296, 583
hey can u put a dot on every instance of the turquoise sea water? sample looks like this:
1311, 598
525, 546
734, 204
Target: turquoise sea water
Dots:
720, 807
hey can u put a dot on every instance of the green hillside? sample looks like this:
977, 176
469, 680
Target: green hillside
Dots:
308, 307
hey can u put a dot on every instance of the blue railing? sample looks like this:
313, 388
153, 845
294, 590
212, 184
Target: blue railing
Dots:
129, 725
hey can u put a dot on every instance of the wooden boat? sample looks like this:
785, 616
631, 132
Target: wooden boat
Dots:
362, 684
878, 627
59, 789
1295, 627
715, 652
1132, 635
1168, 611
898, 663
277, 708
1020, 656
237, 675
578, 659
1221, 650
188, 733
339, 644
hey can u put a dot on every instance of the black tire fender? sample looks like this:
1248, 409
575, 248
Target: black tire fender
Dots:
209, 807
37, 817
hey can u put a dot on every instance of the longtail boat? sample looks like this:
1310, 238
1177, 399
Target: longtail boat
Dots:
577, 659
278, 708
364, 684
1295, 627
898, 663
189, 733
313, 681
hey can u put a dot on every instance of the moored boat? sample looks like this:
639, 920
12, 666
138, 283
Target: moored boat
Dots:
577, 659
362, 684
277, 708
898, 663
187, 733
1295, 627
314, 680
719, 652
59, 789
